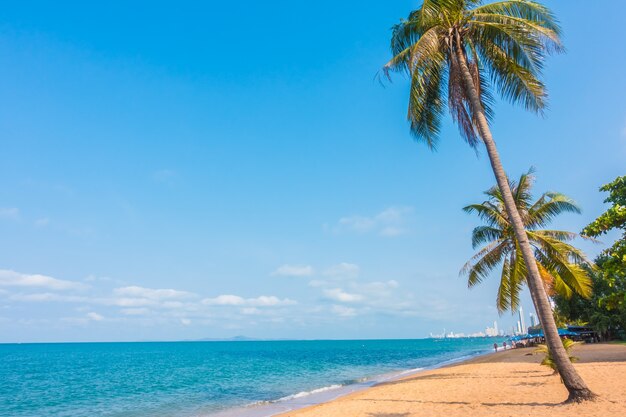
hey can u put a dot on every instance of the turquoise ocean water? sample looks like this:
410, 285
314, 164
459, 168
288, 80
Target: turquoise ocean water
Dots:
199, 378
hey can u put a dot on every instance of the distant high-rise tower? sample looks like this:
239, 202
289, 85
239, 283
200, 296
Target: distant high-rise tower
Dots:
521, 320
519, 327
533, 320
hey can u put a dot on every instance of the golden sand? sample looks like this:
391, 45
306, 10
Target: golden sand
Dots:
502, 384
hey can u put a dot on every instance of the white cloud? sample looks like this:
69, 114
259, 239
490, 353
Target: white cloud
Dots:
141, 305
294, 271
270, 301
358, 223
48, 296
225, 300
16, 279
235, 300
343, 270
337, 294
151, 294
390, 222
95, 316
9, 213
127, 302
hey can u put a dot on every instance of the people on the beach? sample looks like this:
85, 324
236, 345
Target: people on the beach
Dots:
495, 347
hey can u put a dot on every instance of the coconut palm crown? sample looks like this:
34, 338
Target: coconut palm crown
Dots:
559, 262
504, 44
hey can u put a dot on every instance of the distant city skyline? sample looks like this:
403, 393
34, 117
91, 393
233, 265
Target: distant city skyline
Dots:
494, 331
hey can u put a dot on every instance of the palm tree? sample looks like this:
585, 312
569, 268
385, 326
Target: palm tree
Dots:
559, 263
455, 53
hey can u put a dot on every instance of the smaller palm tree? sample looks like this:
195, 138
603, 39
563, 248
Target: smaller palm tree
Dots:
548, 360
559, 263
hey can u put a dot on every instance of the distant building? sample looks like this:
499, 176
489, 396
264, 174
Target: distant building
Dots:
492, 331
533, 320
522, 323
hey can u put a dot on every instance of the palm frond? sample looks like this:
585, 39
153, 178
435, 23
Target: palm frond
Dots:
517, 278
515, 83
549, 38
522, 9
485, 234
503, 297
548, 206
489, 213
486, 260
426, 107
563, 262
422, 51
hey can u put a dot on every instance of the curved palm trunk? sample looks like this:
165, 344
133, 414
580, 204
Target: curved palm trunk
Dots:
578, 390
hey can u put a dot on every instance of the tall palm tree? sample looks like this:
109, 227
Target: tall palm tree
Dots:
455, 53
559, 262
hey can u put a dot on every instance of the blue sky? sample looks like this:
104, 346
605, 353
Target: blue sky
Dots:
192, 169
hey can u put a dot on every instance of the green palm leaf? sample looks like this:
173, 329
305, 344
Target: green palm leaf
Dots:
559, 263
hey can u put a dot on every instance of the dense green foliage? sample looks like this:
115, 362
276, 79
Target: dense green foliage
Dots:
559, 262
606, 310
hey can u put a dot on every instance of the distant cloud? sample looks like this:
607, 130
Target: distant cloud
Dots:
9, 213
225, 300
337, 294
95, 316
48, 297
151, 294
16, 279
294, 271
235, 300
391, 222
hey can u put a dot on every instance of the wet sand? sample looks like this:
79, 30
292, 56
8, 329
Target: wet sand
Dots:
510, 383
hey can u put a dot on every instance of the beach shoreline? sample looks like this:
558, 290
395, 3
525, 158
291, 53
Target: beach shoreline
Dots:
509, 383
321, 395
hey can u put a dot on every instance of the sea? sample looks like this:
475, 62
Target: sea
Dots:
193, 379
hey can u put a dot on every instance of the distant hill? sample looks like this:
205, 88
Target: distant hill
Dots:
228, 339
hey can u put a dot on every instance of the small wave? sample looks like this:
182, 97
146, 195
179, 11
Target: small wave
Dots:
410, 371
307, 393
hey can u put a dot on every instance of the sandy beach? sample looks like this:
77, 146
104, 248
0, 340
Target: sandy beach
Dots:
510, 383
